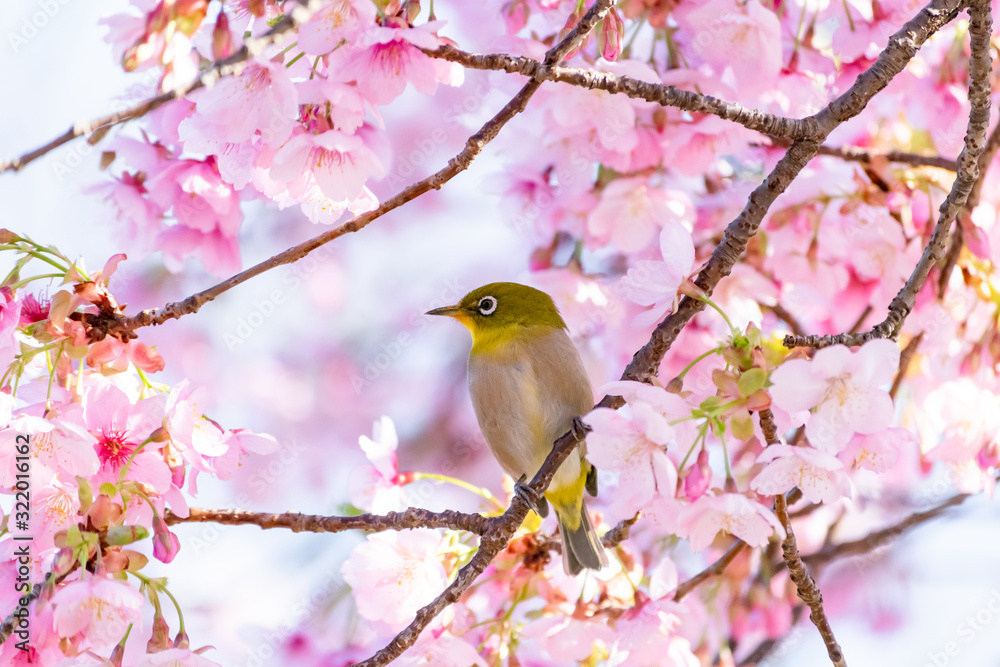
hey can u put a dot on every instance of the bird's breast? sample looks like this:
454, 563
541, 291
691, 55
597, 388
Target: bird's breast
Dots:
525, 393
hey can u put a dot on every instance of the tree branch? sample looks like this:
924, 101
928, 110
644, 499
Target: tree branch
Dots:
658, 93
233, 65
805, 585
901, 48
715, 569
980, 22
877, 538
869, 157
410, 518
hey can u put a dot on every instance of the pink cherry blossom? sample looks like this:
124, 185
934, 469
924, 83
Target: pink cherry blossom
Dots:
655, 283
879, 451
114, 356
241, 443
649, 635
337, 21
55, 506
635, 448
563, 637
732, 513
195, 437
377, 488
820, 476
392, 575
393, 58
632, 210
729, 34
10, 317
176, 657
260, 101
340, 163
97, 609
119, 425
60, 441
197, 196
441, 650
165, 543
845, 387
141, 218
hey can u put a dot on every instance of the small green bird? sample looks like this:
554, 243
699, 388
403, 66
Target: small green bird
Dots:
528, 387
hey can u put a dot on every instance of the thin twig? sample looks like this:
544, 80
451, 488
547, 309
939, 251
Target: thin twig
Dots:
230, 66
712, 570
980, 22
51, 579
958, 235
658, 93
867, 156
905, 357
877, 538
807, 589
787, 317
805, 585
410, 518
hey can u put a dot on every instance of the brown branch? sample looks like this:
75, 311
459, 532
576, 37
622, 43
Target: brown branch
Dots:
412, 517
968, 173
473, 147
955, 245
610, 540
901, 48
807, 589
984, 162
712, 570
877, 538
502, 528
787, 317
658, 93
905, 357
958, 236
51, 579
232, 65
869, 157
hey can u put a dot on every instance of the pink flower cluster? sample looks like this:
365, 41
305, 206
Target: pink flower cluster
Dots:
99, 455
294, 127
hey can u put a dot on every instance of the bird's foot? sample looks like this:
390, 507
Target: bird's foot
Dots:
579, 429
534, 500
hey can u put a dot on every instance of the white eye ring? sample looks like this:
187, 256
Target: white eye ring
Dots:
487, 305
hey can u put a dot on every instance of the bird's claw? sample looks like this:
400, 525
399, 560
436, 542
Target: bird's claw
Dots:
534, 500
580, 430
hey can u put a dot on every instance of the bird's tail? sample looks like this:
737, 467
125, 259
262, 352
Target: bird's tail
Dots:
581, 546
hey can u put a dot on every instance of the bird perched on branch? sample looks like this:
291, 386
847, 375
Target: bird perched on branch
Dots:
529, 387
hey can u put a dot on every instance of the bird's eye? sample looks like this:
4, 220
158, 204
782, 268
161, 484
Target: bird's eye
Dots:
487, 305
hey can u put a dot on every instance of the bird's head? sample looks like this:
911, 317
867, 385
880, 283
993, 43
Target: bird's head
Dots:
502, 311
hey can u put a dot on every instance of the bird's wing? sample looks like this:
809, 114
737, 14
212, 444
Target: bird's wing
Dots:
562, 380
